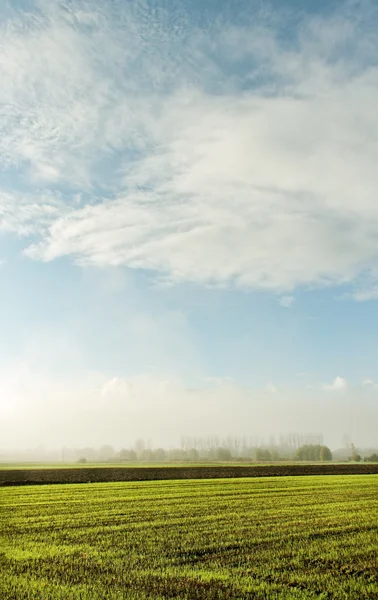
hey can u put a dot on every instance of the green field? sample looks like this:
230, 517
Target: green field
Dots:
272, 538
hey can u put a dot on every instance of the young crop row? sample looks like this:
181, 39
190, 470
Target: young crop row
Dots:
271, 538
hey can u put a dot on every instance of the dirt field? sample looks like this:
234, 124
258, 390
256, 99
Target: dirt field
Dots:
107, 474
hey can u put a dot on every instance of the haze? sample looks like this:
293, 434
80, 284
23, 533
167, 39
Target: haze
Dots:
188, 221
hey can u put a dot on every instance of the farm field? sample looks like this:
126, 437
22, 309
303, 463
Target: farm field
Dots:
105, 473
259, 538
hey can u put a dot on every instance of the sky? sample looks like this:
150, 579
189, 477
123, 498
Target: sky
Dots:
188, 220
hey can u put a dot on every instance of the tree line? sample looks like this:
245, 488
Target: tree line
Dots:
215, 448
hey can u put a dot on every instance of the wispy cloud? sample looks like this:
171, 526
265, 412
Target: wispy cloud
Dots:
370, 384
271, 389
217, 154
338, 384
26, 214
366, 294
287, 301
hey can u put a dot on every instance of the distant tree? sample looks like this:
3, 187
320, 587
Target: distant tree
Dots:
275, 455
89, 453
147, 455
107, 452
223, 453
82, 460
325, 453
127, 454
212, 453
354, 455
193, 454
176, 454
372, 458
160, 454
313, 452
262, 454
140, 446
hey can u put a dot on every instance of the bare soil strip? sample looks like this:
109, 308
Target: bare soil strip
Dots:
48, 476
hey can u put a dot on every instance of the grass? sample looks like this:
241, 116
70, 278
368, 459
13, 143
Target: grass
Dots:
271, 538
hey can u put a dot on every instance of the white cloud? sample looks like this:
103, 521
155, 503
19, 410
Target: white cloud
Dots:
370, 383
287, 301
111, 386
271, 389
366, 295
338, 384
263, 179
26, 214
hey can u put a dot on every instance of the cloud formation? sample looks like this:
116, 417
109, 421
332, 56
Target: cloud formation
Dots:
219, 153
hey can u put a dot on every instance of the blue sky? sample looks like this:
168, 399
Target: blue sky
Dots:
188, 220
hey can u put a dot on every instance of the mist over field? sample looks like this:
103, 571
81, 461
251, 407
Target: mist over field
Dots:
188, 221
119, 411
